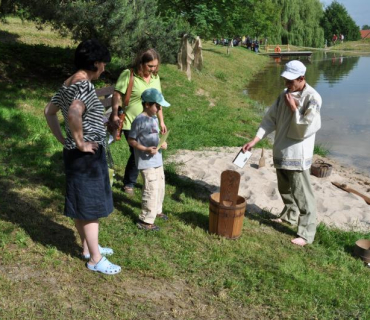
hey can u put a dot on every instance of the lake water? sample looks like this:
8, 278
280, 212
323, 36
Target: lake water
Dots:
343, 84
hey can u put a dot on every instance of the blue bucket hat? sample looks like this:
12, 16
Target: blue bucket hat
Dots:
153, 95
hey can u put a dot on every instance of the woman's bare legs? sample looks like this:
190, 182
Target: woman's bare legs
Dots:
89, 234
85, 249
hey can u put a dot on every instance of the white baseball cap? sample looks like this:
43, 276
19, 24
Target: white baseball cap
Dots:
293, 70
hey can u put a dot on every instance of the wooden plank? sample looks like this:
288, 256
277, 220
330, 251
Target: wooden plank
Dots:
106, 102
107, 91
229, 189
290, 54
261, 162
350, 190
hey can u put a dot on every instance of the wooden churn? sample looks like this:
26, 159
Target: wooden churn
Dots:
227, 208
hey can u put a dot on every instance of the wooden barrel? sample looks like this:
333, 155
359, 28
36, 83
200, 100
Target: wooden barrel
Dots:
362, 249
226, 221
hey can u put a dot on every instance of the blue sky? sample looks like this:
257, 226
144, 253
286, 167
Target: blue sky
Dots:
359, 10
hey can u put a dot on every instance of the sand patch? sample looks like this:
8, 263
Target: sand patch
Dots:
259, 186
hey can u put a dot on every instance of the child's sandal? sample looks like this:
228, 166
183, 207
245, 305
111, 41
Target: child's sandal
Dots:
147, 227
162, 216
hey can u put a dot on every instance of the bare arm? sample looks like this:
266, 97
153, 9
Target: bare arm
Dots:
116, 102
250, 144
50, 112
161, 121
75, 112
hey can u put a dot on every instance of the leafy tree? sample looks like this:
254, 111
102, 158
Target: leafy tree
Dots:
261, 19
286, 21
299, 22
365, 27
205, 19
7, 7
126, 26
337, 21
289, 21
209, 18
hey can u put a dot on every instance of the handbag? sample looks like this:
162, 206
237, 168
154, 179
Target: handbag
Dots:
121, 111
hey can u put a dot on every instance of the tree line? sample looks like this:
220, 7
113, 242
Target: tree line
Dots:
128, 26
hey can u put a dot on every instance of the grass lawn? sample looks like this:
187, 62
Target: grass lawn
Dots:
181, 272
358, 46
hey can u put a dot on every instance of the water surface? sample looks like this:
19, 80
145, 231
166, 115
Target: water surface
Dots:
344, 87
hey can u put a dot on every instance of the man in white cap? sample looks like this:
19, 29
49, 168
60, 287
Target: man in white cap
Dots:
295, 118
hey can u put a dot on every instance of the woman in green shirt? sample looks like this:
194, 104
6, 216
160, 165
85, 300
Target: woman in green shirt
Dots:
145, 76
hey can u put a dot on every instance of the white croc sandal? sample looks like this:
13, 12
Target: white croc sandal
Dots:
104, 266
103, 251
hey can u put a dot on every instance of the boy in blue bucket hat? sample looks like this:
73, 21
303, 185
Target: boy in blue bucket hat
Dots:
144, 138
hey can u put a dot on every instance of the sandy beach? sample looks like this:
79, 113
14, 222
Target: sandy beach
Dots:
335, 207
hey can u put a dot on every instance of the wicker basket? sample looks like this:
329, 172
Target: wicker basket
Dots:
321, 169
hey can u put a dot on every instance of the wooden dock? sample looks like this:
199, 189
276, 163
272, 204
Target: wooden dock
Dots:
290, 54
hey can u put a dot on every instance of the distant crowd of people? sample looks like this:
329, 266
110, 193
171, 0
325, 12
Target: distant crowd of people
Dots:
247, 41
254, 44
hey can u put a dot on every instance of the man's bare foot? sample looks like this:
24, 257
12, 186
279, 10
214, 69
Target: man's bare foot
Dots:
277, 220
299, 241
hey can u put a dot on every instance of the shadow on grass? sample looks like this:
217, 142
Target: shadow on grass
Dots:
6, 36
187, 186
26, 166
264, 218
217, 51
28, 72
123, 202
25, 213
195, 219
39, 64
124, 205
23, 63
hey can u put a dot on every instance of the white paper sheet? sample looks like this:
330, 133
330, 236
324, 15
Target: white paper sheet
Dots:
242, 158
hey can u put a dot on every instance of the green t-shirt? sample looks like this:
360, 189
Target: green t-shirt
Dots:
135, 106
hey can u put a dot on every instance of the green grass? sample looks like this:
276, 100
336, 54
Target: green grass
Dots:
181, 272
321, 150
358, 46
